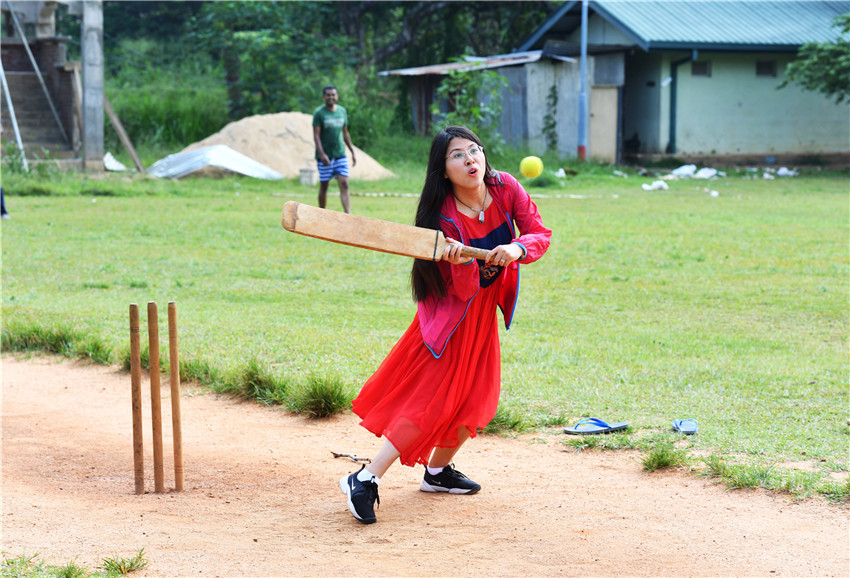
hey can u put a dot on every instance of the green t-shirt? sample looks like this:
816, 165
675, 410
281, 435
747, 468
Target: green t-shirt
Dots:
331, 123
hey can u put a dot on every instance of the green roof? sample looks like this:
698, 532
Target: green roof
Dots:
705, 24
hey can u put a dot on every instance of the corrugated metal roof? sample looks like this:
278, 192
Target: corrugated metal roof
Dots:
475, 63
708, 24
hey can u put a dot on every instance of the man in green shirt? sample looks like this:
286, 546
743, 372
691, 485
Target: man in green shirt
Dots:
330, 133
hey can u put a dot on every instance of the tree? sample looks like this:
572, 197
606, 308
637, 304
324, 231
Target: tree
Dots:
824, 66
276, 55
474, 100
160, 21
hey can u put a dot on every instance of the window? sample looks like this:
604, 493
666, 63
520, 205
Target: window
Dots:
766, 68
702, 68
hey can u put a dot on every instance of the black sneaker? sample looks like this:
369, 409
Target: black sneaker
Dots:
449, 480
361, 497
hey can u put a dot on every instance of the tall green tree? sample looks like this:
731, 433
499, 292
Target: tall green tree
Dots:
274, 54
153, 20
824, 66
401, 34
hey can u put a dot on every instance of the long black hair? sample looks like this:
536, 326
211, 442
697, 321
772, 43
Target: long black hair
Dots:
425, 278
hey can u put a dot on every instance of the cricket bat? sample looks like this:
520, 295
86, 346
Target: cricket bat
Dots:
367, 233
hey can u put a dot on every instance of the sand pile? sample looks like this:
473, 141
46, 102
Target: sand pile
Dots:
284, 142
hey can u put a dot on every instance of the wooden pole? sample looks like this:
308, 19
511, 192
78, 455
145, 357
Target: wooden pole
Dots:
156, 398
122, 134
77, 94
136, 391
176, 417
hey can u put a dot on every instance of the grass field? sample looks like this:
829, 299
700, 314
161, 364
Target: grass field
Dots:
649, 306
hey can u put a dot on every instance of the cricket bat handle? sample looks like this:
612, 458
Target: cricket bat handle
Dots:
468, 251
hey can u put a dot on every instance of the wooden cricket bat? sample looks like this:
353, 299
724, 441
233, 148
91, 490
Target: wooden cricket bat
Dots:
367, 233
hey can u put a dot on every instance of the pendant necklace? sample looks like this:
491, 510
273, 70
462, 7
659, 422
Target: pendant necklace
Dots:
481, 212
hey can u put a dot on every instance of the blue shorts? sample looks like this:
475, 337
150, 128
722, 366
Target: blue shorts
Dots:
338, 167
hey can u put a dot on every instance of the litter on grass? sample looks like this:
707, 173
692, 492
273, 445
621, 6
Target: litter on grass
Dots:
690, 171
110, 163
563, 172
655, 186
684, 171
182, 164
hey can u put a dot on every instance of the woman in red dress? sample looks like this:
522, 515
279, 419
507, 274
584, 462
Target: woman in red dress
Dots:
440, 383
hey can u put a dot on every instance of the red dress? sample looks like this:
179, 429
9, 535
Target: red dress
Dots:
418, 401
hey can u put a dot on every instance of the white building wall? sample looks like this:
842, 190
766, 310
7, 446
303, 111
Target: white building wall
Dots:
736, 112
731, 112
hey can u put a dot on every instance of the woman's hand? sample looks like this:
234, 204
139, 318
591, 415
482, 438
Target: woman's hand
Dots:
504, 255
452, 252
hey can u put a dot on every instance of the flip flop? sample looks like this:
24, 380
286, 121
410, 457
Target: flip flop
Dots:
686, 426
592, 425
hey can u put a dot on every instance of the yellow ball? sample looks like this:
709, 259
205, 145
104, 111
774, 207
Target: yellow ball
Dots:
531, 167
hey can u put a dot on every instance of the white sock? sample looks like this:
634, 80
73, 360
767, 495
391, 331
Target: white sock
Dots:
434, 471
365, 475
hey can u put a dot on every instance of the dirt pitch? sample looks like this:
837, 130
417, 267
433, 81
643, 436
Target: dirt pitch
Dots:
262, 499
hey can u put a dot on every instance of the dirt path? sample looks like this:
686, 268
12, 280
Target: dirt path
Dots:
262, 499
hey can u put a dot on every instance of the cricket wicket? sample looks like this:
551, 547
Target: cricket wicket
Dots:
156, 398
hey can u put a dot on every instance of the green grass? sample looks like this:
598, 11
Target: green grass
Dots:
621, 440
35, 567
767, 475
255, 381
649, 306
61, 340
507, 419
321, 396
664, 456
123, 566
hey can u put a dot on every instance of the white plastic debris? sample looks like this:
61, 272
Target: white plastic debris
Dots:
684, 171
786, 172
561, 174
621, 174
714, 194
222, 156
110, 163
655, 186
705, 173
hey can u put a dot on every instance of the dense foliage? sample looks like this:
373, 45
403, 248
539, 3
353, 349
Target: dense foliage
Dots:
178, 71
825, 66
472, 98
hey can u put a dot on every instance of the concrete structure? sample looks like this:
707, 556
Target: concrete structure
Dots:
694, 78
701, 77
92, 58
79, 111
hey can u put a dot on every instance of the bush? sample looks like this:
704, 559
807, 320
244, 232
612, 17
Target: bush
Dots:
321, 397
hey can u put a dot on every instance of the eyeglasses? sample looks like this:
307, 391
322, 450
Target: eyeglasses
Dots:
473, 153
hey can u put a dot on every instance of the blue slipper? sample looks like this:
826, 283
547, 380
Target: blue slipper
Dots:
686, 426
591, 425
